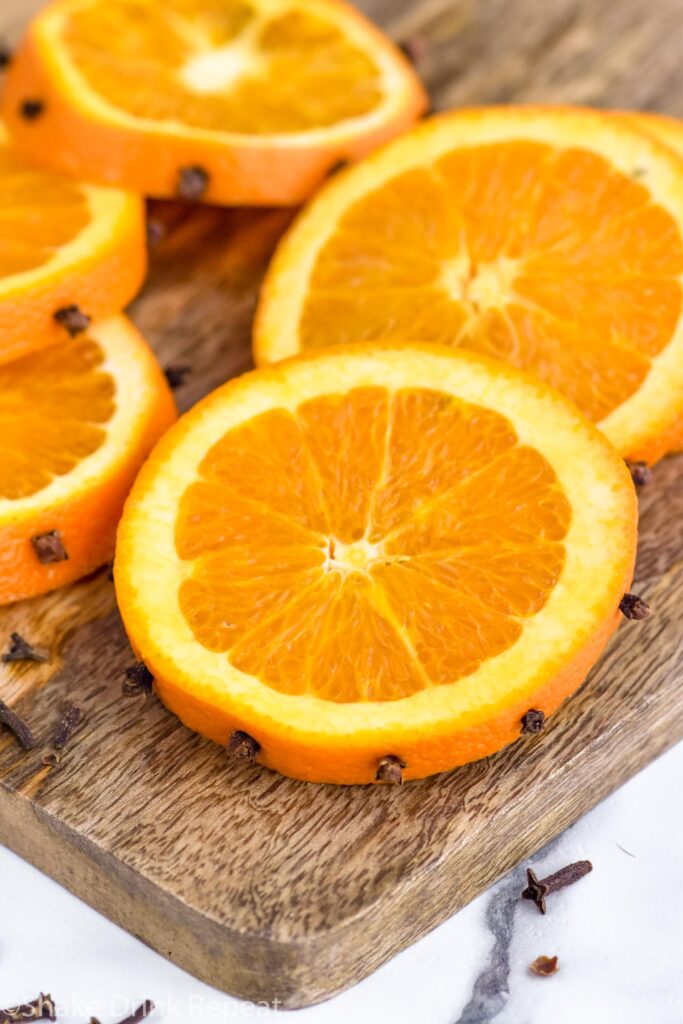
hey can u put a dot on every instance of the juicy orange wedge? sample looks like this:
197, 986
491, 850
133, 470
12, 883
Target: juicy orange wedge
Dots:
62, 245
77, 420
550, 238
375, 551
233, 101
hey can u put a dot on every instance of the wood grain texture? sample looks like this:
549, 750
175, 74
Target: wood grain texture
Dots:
278, 890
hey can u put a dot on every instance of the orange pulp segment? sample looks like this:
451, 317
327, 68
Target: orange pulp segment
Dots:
240, 67
54, 413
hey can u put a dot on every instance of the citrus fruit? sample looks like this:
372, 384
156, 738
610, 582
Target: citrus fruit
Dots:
668, 130
548, 237
66, 248
231, 101
374, 553
77, 419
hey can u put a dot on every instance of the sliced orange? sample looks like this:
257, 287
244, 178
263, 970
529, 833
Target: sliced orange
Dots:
77, 420
375, 551
668, 130
548, 237
231, 101
62, 245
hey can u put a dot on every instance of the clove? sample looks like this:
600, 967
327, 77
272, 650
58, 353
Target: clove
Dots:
538, 889
192, 183
18, 726
242, 746
72, 319
42, 1008
70, 723
533, 722
31, 109
139, 679
142, 1011
49, 547
21, 650
176, 373
634, 607
390, 770
641, 474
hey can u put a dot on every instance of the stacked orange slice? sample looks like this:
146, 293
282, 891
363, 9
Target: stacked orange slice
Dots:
77, 419
69, 253
233, 101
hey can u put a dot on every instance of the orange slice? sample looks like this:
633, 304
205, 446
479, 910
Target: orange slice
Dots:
548, 237
232, 101
77, 420
62, 245
668, 130
375, 551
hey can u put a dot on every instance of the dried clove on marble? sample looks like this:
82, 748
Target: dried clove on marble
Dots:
142, 1011
538, 888
42, 1008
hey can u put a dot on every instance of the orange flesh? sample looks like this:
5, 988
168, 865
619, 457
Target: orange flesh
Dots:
547, 258
39, 213
220, 65
54, 405
326, 551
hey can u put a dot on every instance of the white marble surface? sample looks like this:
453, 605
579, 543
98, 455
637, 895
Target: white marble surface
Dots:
618, 934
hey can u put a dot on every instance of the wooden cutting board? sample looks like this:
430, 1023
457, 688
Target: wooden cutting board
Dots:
278, 890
